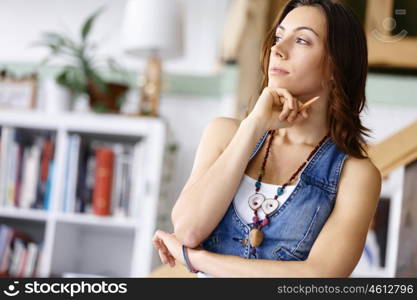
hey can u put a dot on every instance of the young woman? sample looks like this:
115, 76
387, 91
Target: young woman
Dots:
284, 192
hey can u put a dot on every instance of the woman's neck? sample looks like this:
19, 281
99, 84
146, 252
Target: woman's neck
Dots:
308, 131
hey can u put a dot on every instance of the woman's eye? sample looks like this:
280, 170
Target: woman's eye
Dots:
298, 40
301, 41
276, 39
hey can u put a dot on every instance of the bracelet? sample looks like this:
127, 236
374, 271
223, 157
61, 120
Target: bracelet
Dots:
187, 260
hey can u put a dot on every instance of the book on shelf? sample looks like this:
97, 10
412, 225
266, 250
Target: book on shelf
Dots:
72, 170
99, 176
122, 179
19, 254
45, 172
103, 181
32, 163
24, 159
47, 195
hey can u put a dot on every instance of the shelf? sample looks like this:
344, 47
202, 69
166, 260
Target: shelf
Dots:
81, 122
20, 213
99, 221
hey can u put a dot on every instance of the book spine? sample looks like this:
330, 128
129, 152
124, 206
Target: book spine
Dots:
17, 255
5, 153
72, 166
46, 148
116, 208
29, 269
47, 198
30, 177
103, 181
89, 181
11, 176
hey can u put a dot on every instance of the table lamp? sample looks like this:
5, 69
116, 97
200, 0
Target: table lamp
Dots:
152, 29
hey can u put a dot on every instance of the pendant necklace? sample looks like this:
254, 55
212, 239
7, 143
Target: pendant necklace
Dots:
269, 205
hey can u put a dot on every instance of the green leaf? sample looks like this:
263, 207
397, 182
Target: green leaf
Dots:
73, 79
89, 23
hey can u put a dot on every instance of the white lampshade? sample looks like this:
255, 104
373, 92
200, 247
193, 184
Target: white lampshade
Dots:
153, 26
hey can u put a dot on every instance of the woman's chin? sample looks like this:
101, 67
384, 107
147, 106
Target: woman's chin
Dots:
279, 84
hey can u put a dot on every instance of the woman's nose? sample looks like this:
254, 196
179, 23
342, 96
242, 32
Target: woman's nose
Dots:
278, 50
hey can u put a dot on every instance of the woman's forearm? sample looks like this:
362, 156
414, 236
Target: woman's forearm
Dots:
220, 265
200, 208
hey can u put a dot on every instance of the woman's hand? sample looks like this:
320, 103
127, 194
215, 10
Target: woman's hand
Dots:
169, 248
276, 108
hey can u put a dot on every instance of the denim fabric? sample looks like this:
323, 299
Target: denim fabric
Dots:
294, 227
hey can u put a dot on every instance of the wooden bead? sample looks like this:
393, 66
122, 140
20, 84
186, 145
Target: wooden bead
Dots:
256, 237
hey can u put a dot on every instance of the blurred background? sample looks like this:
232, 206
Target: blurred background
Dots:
103, 103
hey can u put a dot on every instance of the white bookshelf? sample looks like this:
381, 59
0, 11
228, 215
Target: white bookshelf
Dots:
83, 243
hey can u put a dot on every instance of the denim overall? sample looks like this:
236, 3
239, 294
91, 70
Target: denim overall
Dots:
294, 227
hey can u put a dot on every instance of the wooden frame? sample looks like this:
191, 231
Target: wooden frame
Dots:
384, 48
18, 93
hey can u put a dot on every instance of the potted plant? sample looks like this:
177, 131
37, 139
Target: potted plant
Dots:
81, 75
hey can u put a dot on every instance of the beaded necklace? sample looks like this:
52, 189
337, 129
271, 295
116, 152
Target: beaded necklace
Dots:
269, 205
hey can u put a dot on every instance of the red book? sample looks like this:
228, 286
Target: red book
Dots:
103, 181
47, 153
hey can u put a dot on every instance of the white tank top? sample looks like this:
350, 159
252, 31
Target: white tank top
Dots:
247, 189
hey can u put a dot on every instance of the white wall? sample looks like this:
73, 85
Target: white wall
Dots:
385, 120
22, 21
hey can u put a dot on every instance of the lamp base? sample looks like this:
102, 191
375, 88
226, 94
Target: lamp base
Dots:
150, 91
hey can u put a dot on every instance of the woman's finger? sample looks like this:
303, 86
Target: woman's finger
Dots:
170, 259
163, 248
294, 110
276, 97
166, 258
164, 253
284, 93
294, 103
285, 111
167, 252
305, 113
163, 257
155, 242
156, 238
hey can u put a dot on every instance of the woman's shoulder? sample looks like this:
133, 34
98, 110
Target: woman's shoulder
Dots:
362, 164
361, 169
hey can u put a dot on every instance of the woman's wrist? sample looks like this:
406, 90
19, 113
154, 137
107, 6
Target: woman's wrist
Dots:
254, 125
194, 256
187, 260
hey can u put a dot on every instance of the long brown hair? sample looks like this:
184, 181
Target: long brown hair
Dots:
348, 57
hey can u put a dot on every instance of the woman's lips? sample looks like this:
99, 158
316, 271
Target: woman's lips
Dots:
278, 71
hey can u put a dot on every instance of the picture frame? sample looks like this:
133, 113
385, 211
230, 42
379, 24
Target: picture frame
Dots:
388, 44
18, 93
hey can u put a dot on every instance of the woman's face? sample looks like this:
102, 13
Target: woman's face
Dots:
299, 49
